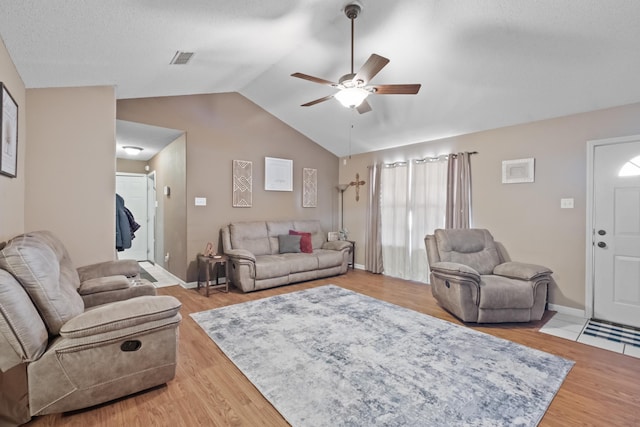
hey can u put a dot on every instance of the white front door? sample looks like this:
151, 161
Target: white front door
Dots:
133, 189
616, 232
151, 216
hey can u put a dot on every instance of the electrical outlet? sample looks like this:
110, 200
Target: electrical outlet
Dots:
566, 203
166, 257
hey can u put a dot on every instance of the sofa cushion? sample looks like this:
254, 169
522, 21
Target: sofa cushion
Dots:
37, 268
301, 262
311, 226
472, 247
497, 292
288, 244
274, 229
305, 241
250, 235
270, 266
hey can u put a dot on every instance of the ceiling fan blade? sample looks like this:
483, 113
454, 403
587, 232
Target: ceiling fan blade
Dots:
317, 101
314, 79
364, 107
374, 64
397, 89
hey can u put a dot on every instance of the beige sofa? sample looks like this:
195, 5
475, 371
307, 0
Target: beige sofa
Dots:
73, 338
256, 261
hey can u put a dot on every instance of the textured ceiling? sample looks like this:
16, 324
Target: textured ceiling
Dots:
482, 64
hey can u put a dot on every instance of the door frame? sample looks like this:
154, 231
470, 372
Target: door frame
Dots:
590, 226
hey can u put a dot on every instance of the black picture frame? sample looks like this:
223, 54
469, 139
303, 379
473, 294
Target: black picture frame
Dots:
8, 133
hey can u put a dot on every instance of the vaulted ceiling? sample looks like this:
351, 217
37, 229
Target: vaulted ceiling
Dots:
482, 64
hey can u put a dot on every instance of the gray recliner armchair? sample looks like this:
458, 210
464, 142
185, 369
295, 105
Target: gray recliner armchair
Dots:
473, 278
58, 350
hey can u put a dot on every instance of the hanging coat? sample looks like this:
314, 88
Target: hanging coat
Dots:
123, 227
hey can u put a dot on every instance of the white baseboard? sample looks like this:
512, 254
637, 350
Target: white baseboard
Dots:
567, 310
359, 266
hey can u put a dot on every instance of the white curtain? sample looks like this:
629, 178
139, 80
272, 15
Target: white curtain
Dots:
394, 209
413, 204
428, 211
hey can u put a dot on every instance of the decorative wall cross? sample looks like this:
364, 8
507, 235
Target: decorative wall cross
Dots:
357, 183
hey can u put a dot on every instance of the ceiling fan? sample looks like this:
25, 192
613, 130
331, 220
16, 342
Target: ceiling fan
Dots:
353, 88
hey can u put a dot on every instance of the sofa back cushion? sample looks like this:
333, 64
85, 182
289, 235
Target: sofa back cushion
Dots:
472, 247
52, 287
21, 326
68, 271
311, 226
275, 229
250, 235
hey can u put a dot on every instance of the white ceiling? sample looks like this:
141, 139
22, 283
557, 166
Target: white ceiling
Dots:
482, 64
152, 139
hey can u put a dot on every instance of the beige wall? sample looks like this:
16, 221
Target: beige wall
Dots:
70, 169
170, 166
12, 189
130, 166
526, 217
223, 127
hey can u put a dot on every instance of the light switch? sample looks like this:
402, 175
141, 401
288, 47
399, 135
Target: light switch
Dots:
566, 203
201, 201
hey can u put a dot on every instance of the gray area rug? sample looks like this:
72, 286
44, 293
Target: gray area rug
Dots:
331, 357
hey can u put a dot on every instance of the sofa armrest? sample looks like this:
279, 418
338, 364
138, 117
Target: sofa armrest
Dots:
455, 269
103, 284
120, 315
337, 245
522, 271
122, 267
241, 254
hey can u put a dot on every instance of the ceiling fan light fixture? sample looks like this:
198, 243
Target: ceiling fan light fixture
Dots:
351, 97
131, 150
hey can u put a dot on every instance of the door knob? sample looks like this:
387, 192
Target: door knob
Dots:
602, 232
602, 245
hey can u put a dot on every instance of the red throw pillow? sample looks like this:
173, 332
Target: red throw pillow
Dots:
305, 240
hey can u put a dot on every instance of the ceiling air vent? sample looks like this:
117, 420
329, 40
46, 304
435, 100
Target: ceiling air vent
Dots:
181, 58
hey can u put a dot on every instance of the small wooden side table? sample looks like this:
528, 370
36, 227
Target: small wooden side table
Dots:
214, 262
352, 264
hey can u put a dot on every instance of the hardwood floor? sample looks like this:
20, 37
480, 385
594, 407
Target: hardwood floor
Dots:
602, 389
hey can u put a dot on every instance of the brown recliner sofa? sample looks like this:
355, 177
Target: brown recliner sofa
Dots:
473, 277
70, 339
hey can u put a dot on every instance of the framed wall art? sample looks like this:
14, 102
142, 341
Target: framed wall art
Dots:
9, 133
242, 184
517, 171
309, 188
278, 174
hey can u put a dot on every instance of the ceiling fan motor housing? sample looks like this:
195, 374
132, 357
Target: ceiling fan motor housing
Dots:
352, 10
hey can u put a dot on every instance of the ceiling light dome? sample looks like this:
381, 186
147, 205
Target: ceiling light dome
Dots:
351, 97
130, 149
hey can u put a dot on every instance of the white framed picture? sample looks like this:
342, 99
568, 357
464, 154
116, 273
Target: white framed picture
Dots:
517, 171
278, 174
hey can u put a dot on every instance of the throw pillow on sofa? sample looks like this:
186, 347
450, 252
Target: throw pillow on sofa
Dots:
305, 241
289, 243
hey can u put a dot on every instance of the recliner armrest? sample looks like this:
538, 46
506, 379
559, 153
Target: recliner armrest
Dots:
123, 267
240, 254
336, 245
103, 284
455, 269
120, 315
521, 270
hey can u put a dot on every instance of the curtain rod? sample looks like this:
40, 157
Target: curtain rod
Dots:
402, 163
